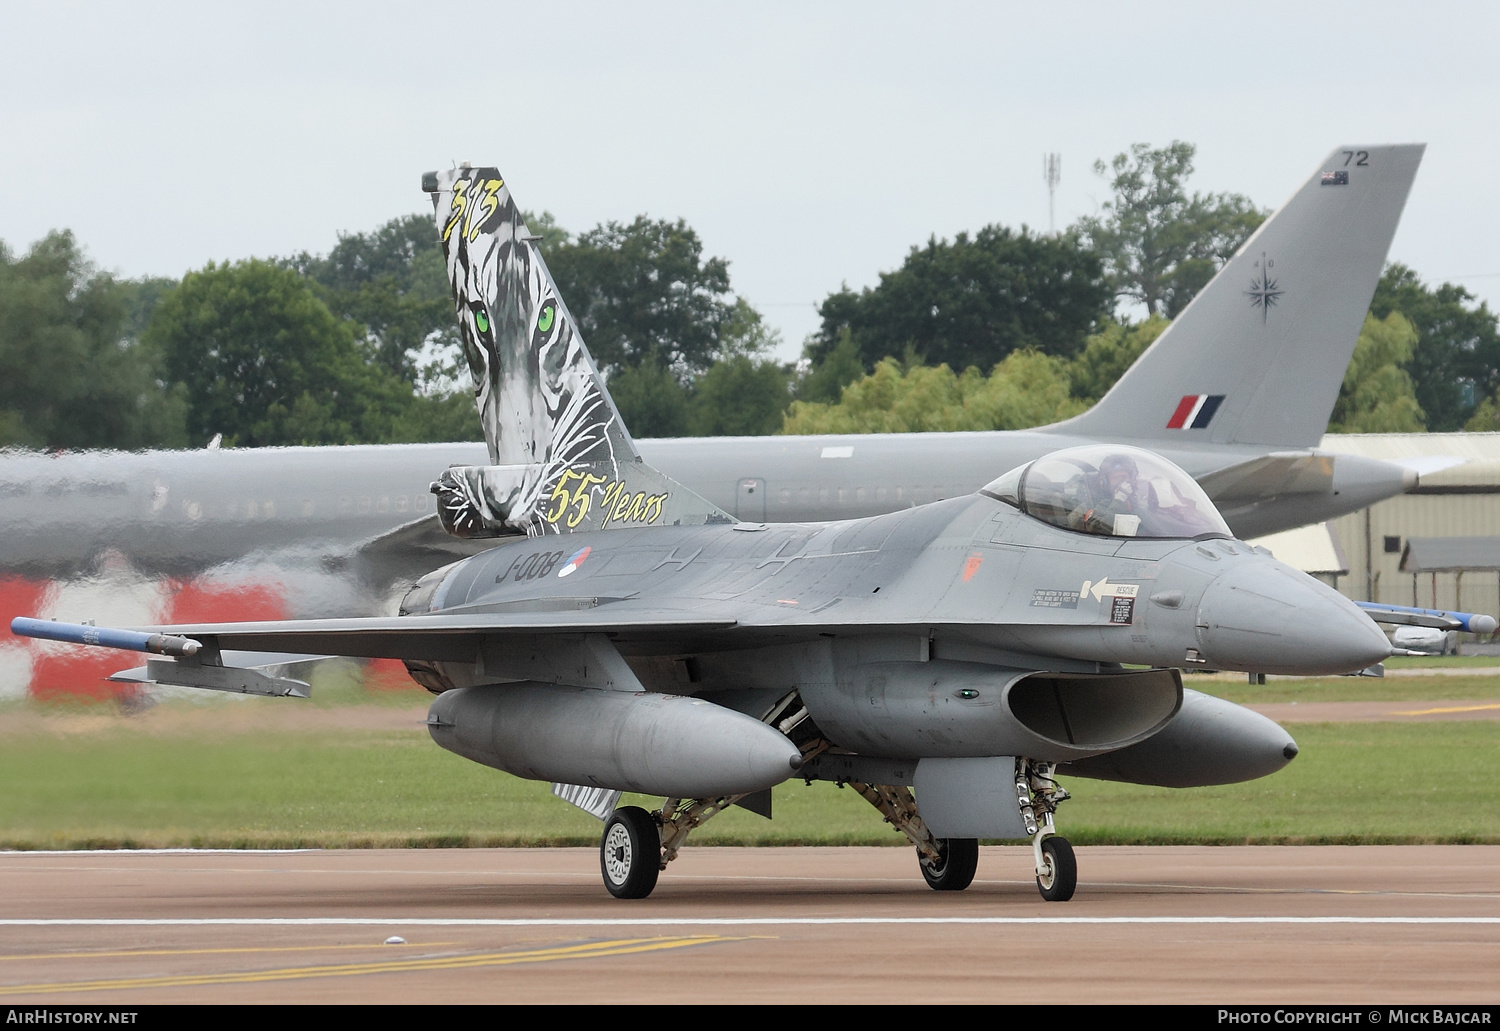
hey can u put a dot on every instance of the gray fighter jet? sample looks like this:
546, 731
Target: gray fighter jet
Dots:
1237, 392
628, 635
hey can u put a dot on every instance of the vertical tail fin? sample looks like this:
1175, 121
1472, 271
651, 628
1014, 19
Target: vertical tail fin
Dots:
561, 456
539, 395
1260, 353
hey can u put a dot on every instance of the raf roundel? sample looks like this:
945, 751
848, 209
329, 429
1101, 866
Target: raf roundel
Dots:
574, 562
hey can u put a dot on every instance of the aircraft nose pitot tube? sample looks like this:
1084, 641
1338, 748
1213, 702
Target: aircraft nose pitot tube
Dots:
1264, 617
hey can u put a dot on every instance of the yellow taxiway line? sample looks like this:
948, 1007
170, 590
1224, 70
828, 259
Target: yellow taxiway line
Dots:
1453, 708
14, 957
588, 950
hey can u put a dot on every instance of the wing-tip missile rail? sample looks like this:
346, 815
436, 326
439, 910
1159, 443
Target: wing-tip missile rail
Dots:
104, 637
1436, 619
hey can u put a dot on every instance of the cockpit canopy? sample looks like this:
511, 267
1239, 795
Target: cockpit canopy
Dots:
1111, 491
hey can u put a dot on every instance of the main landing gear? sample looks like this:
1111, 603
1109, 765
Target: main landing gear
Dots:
949, 864
630, 853
637, 844
953, 869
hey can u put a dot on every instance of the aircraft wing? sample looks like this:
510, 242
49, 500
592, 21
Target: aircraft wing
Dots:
439, 636
569, 644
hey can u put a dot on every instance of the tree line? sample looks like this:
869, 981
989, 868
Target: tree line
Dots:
998, 329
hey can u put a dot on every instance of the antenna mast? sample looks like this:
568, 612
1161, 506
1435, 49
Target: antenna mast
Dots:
1052, 170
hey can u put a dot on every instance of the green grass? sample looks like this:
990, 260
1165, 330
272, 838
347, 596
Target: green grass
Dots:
1352, 783
1442, 661
1350, 689
129, 786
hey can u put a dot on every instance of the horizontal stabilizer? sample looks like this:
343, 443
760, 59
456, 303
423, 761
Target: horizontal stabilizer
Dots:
284, 675
424, 538
1269, 476
233, 679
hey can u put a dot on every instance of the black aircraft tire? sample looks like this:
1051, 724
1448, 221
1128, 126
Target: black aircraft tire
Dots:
630, 853
957, 860
1062, 881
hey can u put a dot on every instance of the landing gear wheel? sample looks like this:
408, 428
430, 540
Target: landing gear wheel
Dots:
630, 853
1060, 880
953, 870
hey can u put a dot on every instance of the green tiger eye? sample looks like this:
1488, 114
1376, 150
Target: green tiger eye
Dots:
544, 321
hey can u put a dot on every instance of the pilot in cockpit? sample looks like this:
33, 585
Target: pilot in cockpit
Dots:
1117, 500
1113, 491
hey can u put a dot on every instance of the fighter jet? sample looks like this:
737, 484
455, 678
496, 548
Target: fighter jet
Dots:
947, 661
1237, 392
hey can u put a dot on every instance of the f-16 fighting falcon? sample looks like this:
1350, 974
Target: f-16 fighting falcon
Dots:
946, 661
1237, 392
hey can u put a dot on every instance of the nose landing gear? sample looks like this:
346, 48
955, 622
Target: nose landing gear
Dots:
1039, 795
1057, 871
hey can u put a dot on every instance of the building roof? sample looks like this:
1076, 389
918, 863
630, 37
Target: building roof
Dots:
1440, 459
1450, 554
1312, 549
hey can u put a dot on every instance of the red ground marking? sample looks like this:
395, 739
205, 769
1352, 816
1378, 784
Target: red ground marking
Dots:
18, 598
196, 602
56, 672
387, 675
80, 673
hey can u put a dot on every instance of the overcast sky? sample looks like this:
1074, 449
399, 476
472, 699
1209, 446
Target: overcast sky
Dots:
810, 144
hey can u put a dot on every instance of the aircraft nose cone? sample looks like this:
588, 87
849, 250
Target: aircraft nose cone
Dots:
1264, 617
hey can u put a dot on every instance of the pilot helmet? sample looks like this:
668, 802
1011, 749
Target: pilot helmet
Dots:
1120, 463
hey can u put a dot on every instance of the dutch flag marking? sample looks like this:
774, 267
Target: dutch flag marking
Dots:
1194, 411
574, 562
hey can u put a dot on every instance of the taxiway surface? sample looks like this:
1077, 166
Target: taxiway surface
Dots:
1359, 925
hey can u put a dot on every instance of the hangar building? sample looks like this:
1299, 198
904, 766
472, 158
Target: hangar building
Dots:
1437, 546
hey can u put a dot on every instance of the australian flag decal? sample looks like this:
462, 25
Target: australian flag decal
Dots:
1195, 411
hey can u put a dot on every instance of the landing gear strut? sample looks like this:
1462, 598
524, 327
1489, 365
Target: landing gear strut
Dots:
1038, 796
947, 864
637, 845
